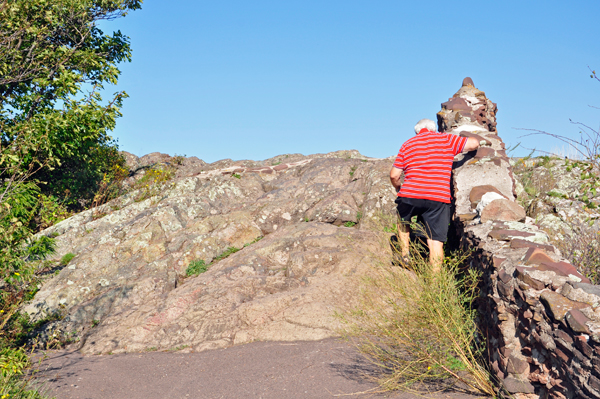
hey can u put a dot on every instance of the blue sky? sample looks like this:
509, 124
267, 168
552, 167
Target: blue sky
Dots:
251, 80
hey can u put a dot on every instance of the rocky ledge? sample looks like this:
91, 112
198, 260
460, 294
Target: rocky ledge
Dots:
296, 229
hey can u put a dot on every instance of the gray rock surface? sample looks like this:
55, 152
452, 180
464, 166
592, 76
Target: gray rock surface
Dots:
303, 233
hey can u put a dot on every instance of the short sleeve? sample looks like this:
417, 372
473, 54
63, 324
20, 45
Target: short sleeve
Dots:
457, 143
399, 162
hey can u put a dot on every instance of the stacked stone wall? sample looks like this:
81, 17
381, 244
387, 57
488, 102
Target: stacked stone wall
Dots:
539, 314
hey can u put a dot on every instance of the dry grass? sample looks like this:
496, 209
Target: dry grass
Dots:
581, 245
418, 327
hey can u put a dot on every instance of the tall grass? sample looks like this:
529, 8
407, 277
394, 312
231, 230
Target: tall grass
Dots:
13, 383
417, 325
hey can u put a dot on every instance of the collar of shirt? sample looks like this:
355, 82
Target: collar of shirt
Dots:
424, 130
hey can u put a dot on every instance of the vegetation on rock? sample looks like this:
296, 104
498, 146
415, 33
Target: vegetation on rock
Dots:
55, 150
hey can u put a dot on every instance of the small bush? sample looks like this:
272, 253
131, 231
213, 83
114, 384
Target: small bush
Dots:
13, 385
196, 267
13, 362
349, 224
153, 181
50, 211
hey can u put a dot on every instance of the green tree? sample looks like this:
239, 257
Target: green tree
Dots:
54, 62
54, 126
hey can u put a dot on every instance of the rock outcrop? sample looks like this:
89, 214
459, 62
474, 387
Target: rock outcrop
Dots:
296, 228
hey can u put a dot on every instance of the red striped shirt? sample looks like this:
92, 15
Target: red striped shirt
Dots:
427, 163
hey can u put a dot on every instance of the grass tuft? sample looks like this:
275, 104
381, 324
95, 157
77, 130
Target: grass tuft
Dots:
66, 259
418, 326
196, 267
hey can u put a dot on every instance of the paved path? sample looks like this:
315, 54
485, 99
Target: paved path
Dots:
261, 370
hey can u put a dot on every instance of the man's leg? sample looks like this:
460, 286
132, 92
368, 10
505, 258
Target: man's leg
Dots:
436, 253
404, 238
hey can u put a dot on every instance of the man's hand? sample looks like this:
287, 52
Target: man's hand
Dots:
471, 145
395, 175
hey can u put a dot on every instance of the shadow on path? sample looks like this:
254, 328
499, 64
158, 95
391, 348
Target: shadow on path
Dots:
266, 370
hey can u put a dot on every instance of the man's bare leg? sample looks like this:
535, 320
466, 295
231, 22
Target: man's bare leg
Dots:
404, 238
436, 253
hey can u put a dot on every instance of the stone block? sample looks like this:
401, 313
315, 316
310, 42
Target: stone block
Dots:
503, 209
466, 217
564, 336
503, 276
560, 355
584, 347
577, 321
594, 383
505, 289
515, 365
527, 279
535, 256
485, 152
514, 385
507, 235
517, 243
557, 305
478, 191
586, 287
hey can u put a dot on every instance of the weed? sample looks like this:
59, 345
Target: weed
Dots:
178, 159
349, 224
556, 195
306, 218
111, 185
236, 175
199, 266
581, 245
95, 323
229, 251
13, 363
68, 257
196, 267
352, 170
178, 348
257, 239
276, 163
153, 181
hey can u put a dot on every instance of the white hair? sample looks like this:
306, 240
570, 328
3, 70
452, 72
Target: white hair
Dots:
425, 124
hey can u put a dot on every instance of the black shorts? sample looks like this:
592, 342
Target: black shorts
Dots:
433, 216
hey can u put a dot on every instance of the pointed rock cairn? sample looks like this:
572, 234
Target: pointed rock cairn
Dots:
540, 316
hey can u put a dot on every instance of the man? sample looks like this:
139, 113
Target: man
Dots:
426, 160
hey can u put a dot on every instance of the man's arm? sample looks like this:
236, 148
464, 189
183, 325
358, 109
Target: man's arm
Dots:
395, 175
471, 145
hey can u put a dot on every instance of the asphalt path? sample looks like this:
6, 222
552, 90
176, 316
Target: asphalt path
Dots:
262, 370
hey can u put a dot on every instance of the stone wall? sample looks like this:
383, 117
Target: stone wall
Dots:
539, 314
